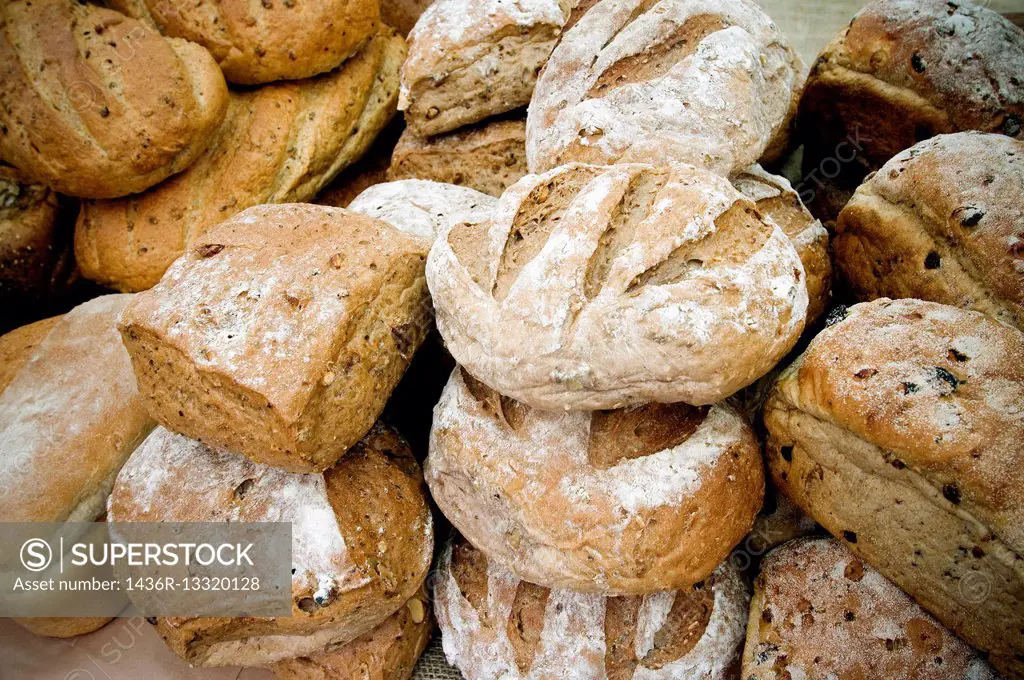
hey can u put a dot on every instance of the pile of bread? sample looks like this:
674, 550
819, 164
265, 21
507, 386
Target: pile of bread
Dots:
650, 391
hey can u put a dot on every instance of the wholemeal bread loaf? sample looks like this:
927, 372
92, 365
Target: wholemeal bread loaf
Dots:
694, 81
99, 105
820, 612
899, 431
610, 502
279, 143
402, 14
942, 221
362, 539
422, 208
598, 287
903, 71
371, 169
488, 157
495, 626
261, 42
281, 333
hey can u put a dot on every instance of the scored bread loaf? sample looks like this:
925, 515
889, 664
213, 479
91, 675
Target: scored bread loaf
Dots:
942, 221
496, 627
281, 333
899, 430
609, 502
488, 157
262, 42
820, 612
694, 81
422, 208
278, 144
598, 287
362, 539
98, 105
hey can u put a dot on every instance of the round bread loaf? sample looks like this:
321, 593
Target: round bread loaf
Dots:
599, 287
609, 502
942, 221
362, 539
820, 612
899, 430
712, 83
98, 105
495, 626
422, 208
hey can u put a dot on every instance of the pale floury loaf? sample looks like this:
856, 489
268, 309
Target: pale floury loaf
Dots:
422, 208
597, 287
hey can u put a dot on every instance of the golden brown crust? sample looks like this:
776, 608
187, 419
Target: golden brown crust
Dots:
18, 346
62, 627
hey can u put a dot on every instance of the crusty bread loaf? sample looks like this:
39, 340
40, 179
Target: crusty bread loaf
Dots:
899, 430
262, 42
942, 221
56, 627
610, 502
99, 105
820, 612
278, 144
903, 71
598, 287
698, 81
281, 333
371, 169
362, 539
496, 627
70, 414
488, 157
422, 208
402, 14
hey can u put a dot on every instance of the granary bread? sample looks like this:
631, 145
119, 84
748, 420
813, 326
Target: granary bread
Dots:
261, 42
278, 144
422, 208
942, 221
899, 430
495, 626
694, 81
820, 612
903, 71
603, 286
281, 332
98, 105
609, 502
488, 157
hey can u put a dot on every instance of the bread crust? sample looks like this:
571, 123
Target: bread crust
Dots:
422, 208
56, 627
402, 14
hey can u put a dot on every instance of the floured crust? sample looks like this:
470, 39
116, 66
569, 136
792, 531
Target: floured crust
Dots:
820, 612
362, 539
606, 502
422, 208
599, 287
701, 82
942, 221
496, 626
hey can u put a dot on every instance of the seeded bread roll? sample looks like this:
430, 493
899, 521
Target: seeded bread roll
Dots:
820, 612
261, 42
99, 105
609, 502
362, 539
942, 221
279, 144
281, 333
421, 208
899, 431
901, 72
694, 81
495, 626
598, 287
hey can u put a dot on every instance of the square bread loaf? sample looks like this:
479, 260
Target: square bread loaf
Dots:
281, 332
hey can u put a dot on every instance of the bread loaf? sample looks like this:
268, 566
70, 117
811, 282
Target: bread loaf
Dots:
362, 539
489, 157
421, 208
899, 431
609, 502
278, 144
281, 333
820, 612
98, 105
497, 627
598, 287
694, 81
261, 42
942, 221
402, 14
56, 627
